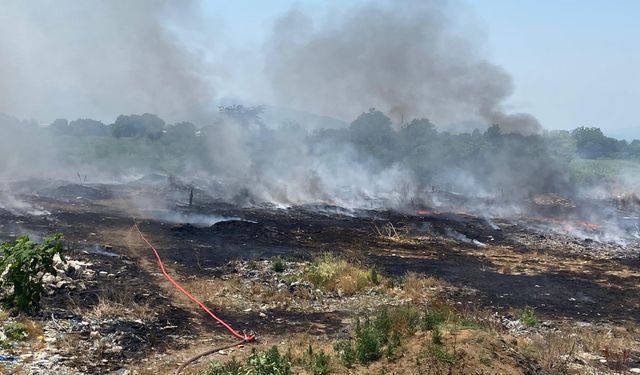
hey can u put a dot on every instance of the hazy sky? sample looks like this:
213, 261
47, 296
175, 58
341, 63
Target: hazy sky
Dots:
573, 62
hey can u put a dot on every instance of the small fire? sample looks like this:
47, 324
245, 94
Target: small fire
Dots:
567, 225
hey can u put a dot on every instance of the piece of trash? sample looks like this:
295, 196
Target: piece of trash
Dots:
7, 358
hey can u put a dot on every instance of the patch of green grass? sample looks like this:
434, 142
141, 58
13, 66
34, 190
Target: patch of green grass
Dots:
528, 317
586, 170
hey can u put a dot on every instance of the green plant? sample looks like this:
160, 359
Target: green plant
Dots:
369, 341
278, 264
374, 277
528, 317
317, 362
440, 353
24, 263
270, 362
432, 318
346, 352
15, 331
232, 367
436, 335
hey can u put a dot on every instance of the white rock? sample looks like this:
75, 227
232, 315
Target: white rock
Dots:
48, 279
89, 274
61, 284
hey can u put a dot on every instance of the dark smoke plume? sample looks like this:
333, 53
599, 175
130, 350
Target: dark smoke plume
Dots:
403, 57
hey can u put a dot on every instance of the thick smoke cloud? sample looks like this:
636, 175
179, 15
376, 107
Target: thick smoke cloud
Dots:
402, 57
98, 58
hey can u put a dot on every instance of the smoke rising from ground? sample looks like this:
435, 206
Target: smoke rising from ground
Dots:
402, 57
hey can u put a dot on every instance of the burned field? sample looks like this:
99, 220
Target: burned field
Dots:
113, 312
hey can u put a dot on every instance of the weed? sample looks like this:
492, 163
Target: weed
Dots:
374, 276
485, 361
441, 354
553, 350
16, 331
346, 352
23, 264
317, 362
616, 359
470, 324
528, 317
432, 318
436, 335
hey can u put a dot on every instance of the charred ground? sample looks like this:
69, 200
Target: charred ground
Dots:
491, 264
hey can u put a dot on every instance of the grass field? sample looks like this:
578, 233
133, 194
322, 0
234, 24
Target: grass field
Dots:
583, 170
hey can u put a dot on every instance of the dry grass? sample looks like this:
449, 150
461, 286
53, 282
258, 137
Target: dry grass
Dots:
114, 302
332, 273
421, 288
390, 232
553, 350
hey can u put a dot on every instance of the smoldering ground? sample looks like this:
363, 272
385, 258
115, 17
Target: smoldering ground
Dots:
409, 59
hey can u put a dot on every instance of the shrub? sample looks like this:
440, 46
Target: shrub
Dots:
369, 341
24, 264
528, 317
278, 264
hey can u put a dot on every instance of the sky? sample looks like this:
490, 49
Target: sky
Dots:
573, 62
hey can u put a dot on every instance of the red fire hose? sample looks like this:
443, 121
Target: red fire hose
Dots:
243, 337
